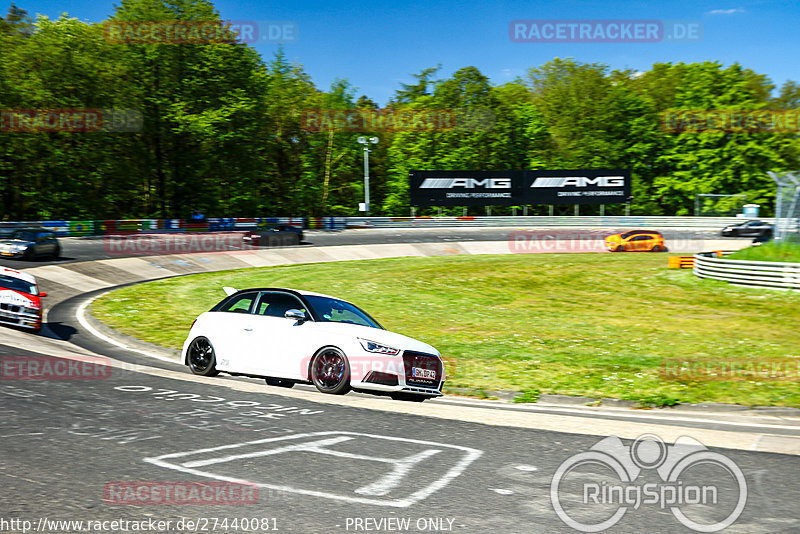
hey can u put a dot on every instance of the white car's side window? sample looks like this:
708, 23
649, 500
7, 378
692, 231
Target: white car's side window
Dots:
240, 304
274, 304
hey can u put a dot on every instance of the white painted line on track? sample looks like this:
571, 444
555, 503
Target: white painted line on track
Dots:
81, 315
534, 408
394, 479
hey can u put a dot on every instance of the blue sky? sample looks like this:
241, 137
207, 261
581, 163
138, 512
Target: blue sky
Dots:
378, 44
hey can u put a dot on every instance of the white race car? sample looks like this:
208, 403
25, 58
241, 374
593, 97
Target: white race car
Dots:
287, 336
20, 300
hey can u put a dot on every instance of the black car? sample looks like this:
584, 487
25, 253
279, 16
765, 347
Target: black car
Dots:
748, 229
29, 244
274, 235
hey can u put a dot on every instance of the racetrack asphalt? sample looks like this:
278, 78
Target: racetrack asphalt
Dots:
93, 447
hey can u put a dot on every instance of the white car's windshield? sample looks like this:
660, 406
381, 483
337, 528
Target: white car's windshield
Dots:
340, 311
9, 282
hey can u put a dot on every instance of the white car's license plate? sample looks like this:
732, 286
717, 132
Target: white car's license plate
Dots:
417, 372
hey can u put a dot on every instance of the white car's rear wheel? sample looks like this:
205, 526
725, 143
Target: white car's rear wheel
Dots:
201, 358
330, 371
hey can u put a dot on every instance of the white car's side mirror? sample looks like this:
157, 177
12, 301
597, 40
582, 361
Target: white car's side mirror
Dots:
295, 314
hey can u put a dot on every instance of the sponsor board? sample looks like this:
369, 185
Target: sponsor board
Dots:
519, 188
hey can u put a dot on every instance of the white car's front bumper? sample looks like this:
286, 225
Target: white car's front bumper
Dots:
413, 372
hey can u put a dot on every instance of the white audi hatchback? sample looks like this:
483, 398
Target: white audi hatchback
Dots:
288, 336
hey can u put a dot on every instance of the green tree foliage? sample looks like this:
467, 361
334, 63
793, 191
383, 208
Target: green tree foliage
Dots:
716, 162
223, 129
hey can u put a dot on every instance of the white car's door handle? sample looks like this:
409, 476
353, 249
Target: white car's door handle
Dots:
248, 329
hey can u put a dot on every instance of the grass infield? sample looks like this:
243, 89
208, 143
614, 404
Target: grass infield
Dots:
786, 251
601, 325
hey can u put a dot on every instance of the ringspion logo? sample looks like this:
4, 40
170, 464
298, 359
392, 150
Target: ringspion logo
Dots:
704, 490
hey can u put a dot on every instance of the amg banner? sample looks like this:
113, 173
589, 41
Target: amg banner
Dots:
519, 188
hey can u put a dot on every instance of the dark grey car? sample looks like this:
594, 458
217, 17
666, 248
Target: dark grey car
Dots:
274, 235
748, 229
29, 244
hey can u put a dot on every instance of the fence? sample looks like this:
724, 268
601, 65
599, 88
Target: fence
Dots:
155, 226
787, 206
544, 221
770, 274
147, 226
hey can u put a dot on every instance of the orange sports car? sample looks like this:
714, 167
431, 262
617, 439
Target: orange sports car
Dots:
636, 240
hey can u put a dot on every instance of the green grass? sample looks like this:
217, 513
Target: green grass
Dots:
787, 251
599, 325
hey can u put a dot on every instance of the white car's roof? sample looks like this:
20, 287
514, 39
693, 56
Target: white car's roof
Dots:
231, 291
18, 274
311, 293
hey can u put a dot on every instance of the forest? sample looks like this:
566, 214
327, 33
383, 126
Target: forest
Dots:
221, 129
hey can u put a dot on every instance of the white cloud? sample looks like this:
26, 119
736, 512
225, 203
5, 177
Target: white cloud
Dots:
725, 11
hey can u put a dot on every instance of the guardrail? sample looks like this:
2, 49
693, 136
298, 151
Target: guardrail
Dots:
769, 274
218, 224
156, 226
546, 221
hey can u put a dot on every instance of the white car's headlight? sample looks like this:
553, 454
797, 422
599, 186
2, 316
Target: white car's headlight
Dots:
380, 348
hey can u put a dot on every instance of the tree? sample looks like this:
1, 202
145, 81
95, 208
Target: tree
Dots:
718, 162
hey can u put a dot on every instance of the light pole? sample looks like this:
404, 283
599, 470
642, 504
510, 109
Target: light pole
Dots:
366, 142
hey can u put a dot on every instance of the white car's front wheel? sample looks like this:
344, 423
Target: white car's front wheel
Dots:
330, 371
201, 358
